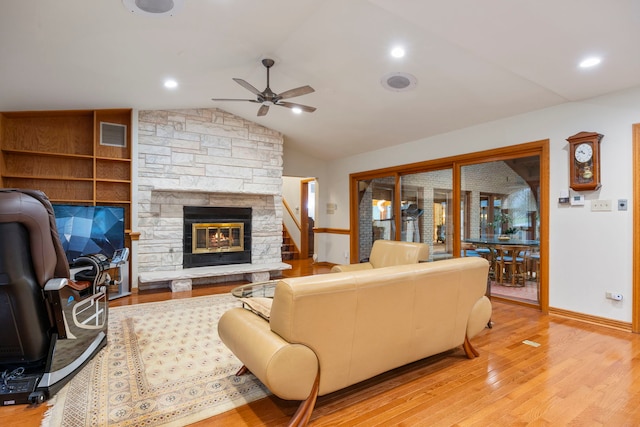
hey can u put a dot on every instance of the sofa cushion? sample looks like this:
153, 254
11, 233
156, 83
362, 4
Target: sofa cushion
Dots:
387, 253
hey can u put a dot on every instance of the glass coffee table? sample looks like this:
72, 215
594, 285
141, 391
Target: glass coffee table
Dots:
257, 297
256, 289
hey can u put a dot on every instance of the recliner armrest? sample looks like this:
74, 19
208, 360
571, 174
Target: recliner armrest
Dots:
351, 267
56, 284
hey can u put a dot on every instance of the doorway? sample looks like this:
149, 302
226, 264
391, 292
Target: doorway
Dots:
307, 217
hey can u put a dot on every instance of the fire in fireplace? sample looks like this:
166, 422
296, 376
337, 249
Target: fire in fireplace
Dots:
216, 236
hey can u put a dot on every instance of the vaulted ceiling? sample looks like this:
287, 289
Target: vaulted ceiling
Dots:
474, 61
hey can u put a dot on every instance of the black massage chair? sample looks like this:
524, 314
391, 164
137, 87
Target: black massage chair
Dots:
50, 325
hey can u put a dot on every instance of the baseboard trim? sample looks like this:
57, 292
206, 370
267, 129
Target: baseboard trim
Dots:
332, 230
602, 321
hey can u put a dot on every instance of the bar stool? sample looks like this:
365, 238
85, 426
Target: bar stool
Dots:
511, 264
534, 265
489, 253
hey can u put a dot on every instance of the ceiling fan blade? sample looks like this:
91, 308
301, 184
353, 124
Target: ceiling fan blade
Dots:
233, 99
263, 110
302, 90
247, 86
300, 106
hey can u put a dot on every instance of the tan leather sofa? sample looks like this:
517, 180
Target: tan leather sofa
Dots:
327, 332
385, 253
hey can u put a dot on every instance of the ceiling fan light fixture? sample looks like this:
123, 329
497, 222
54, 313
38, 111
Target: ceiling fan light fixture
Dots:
154, 7
268, 97
399, 82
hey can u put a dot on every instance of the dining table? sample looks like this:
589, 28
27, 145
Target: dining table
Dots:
494, 250
494, 241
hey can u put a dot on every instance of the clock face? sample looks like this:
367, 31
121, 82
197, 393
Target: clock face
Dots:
583, 153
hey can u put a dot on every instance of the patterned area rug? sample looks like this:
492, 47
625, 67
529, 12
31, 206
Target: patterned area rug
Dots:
164, 365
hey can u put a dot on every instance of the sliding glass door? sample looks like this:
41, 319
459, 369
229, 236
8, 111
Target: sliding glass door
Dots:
426, 211
376, 213
504, 215
477, 204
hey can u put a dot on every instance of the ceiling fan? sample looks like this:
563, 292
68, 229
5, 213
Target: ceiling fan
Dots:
268, 98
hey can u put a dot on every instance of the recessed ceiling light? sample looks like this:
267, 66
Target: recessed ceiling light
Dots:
170, 84
590, 62
397, 52
297, 110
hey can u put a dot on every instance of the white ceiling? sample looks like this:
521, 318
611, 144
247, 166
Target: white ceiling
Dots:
475, 61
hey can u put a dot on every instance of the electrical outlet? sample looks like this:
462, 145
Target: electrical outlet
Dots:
622, 204
601, 205
614, 296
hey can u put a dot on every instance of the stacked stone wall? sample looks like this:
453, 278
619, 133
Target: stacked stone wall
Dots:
205, 157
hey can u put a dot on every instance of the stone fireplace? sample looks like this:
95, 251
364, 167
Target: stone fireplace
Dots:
207, 158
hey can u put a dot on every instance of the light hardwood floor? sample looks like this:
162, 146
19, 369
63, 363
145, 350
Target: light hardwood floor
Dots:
581, 374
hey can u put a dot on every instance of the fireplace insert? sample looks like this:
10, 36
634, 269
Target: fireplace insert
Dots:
216, 236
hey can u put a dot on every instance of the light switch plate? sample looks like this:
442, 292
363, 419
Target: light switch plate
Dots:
601, 205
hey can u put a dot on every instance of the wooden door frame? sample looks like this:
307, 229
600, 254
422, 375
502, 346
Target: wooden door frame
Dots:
539, 148
635, 315
304, 217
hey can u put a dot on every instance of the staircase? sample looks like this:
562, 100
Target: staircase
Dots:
289, 249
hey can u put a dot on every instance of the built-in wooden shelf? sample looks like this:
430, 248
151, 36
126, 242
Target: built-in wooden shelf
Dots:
61, 154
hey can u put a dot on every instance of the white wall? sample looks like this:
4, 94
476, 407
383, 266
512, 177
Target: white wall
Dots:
590, 252
299, 164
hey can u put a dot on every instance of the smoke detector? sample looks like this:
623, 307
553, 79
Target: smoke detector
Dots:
154, 7
399, 82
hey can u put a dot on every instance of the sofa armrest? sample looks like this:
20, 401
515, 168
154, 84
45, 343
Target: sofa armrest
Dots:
351, 267
288, 370
479, 317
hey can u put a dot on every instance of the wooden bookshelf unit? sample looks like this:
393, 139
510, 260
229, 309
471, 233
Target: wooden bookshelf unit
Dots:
62, 154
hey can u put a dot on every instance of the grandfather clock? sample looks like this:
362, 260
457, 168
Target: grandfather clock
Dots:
584, 161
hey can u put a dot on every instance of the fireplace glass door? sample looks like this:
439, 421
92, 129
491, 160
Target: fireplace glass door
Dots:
217, 237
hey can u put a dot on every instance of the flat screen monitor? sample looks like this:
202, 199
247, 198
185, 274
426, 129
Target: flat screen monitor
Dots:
86, 230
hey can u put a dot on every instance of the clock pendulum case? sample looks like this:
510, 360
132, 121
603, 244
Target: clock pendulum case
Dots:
584, 161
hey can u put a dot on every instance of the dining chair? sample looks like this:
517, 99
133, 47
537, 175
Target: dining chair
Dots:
511, 264
489, 253
468, 249
533, 264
